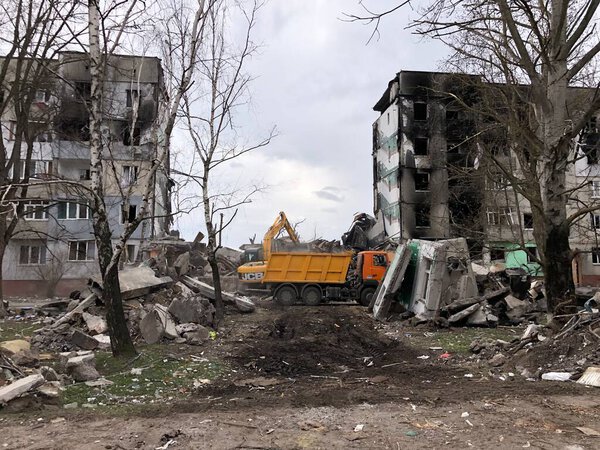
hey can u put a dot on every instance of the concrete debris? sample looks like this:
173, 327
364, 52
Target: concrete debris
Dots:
83, 340
141, 281
95, 324
100, 382
198, 337
152, 328
384, 295
19, 387
557, 376
50, 389
182, 264
591, 377
167, 321
14, 346
457, 317
186, 328
209, 292
194, 309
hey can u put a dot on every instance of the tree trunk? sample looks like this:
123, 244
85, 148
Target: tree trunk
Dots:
120, 340
557, 267
216, 276
3, 312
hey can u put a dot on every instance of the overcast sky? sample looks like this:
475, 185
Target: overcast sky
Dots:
316, 81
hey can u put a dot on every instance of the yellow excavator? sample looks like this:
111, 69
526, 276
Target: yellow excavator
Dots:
253, 272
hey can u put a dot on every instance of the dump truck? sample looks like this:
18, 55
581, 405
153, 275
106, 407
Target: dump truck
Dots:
253, 269
316, 277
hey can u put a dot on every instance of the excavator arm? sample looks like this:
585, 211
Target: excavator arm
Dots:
280, 223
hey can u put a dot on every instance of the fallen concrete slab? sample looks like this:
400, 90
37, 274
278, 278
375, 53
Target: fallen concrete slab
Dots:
243, 304
89, 300
391, 282
14, 346
152, 328
463, 314
140, 281
19, 387
167, 321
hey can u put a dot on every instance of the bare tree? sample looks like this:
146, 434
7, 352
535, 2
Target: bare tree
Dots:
33, 32
221, 88
529, 55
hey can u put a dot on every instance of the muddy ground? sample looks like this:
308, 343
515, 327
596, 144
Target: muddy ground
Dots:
329, 377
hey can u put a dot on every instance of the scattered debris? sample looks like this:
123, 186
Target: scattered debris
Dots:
557, 376
591, 377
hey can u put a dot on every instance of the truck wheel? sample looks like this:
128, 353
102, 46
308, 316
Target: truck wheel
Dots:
366, 295
286, 295
311, 295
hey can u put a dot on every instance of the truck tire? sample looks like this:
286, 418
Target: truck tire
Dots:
312, 295
366, 294
286, 295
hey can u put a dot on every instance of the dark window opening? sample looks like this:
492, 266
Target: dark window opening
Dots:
595, 255
422, 216
83, 89
133, 95
73, 131
421, 181
528, 221
127, 136
595, 221
591, 146
420, 111
421, 145
497, 254
128, 216
532, 254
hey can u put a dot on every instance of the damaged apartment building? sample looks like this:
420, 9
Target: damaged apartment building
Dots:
431, 179
53, 248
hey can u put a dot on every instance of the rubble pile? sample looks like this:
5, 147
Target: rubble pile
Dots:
541, 350
155, 308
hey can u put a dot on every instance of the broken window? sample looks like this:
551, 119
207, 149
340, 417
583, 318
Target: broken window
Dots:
85, 174
422, 216
82, 250
32, 254
130, 253
421, 181
502, 215
595, 221
498, 182
595, 255
421, 146
528, 221
128, 215
83, 89
127, 135
133, 96
590, 145
130, 175
493, 217
420, 111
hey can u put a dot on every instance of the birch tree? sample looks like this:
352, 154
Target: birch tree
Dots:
221, 90
32, 33
536, 51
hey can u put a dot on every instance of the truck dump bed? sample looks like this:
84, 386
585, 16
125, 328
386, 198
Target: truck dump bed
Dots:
307, 267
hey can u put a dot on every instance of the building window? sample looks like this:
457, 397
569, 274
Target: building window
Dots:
421, 145
130, 175
595, 221
42, 96
130, 253
82, 250
422, 216
12, 130
421, 111
36, 210
83, 89
32, 255
590, 146
595, 189
503, 215
128, 215
421, 181
528, 221
596, 255
127, 136
72, 211
133, 96
85, 174
498, 182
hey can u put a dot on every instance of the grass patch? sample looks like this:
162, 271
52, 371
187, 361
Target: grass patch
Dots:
11, 329
458, 340
168, 373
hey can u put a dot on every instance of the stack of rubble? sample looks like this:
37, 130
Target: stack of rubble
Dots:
542, 350
154, 307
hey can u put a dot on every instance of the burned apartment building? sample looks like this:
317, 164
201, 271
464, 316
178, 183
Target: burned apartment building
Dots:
432, 180
53, 248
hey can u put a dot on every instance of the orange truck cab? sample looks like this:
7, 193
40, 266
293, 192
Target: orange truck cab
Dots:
315, 277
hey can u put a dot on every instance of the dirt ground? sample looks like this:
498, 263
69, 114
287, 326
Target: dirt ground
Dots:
329, 377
